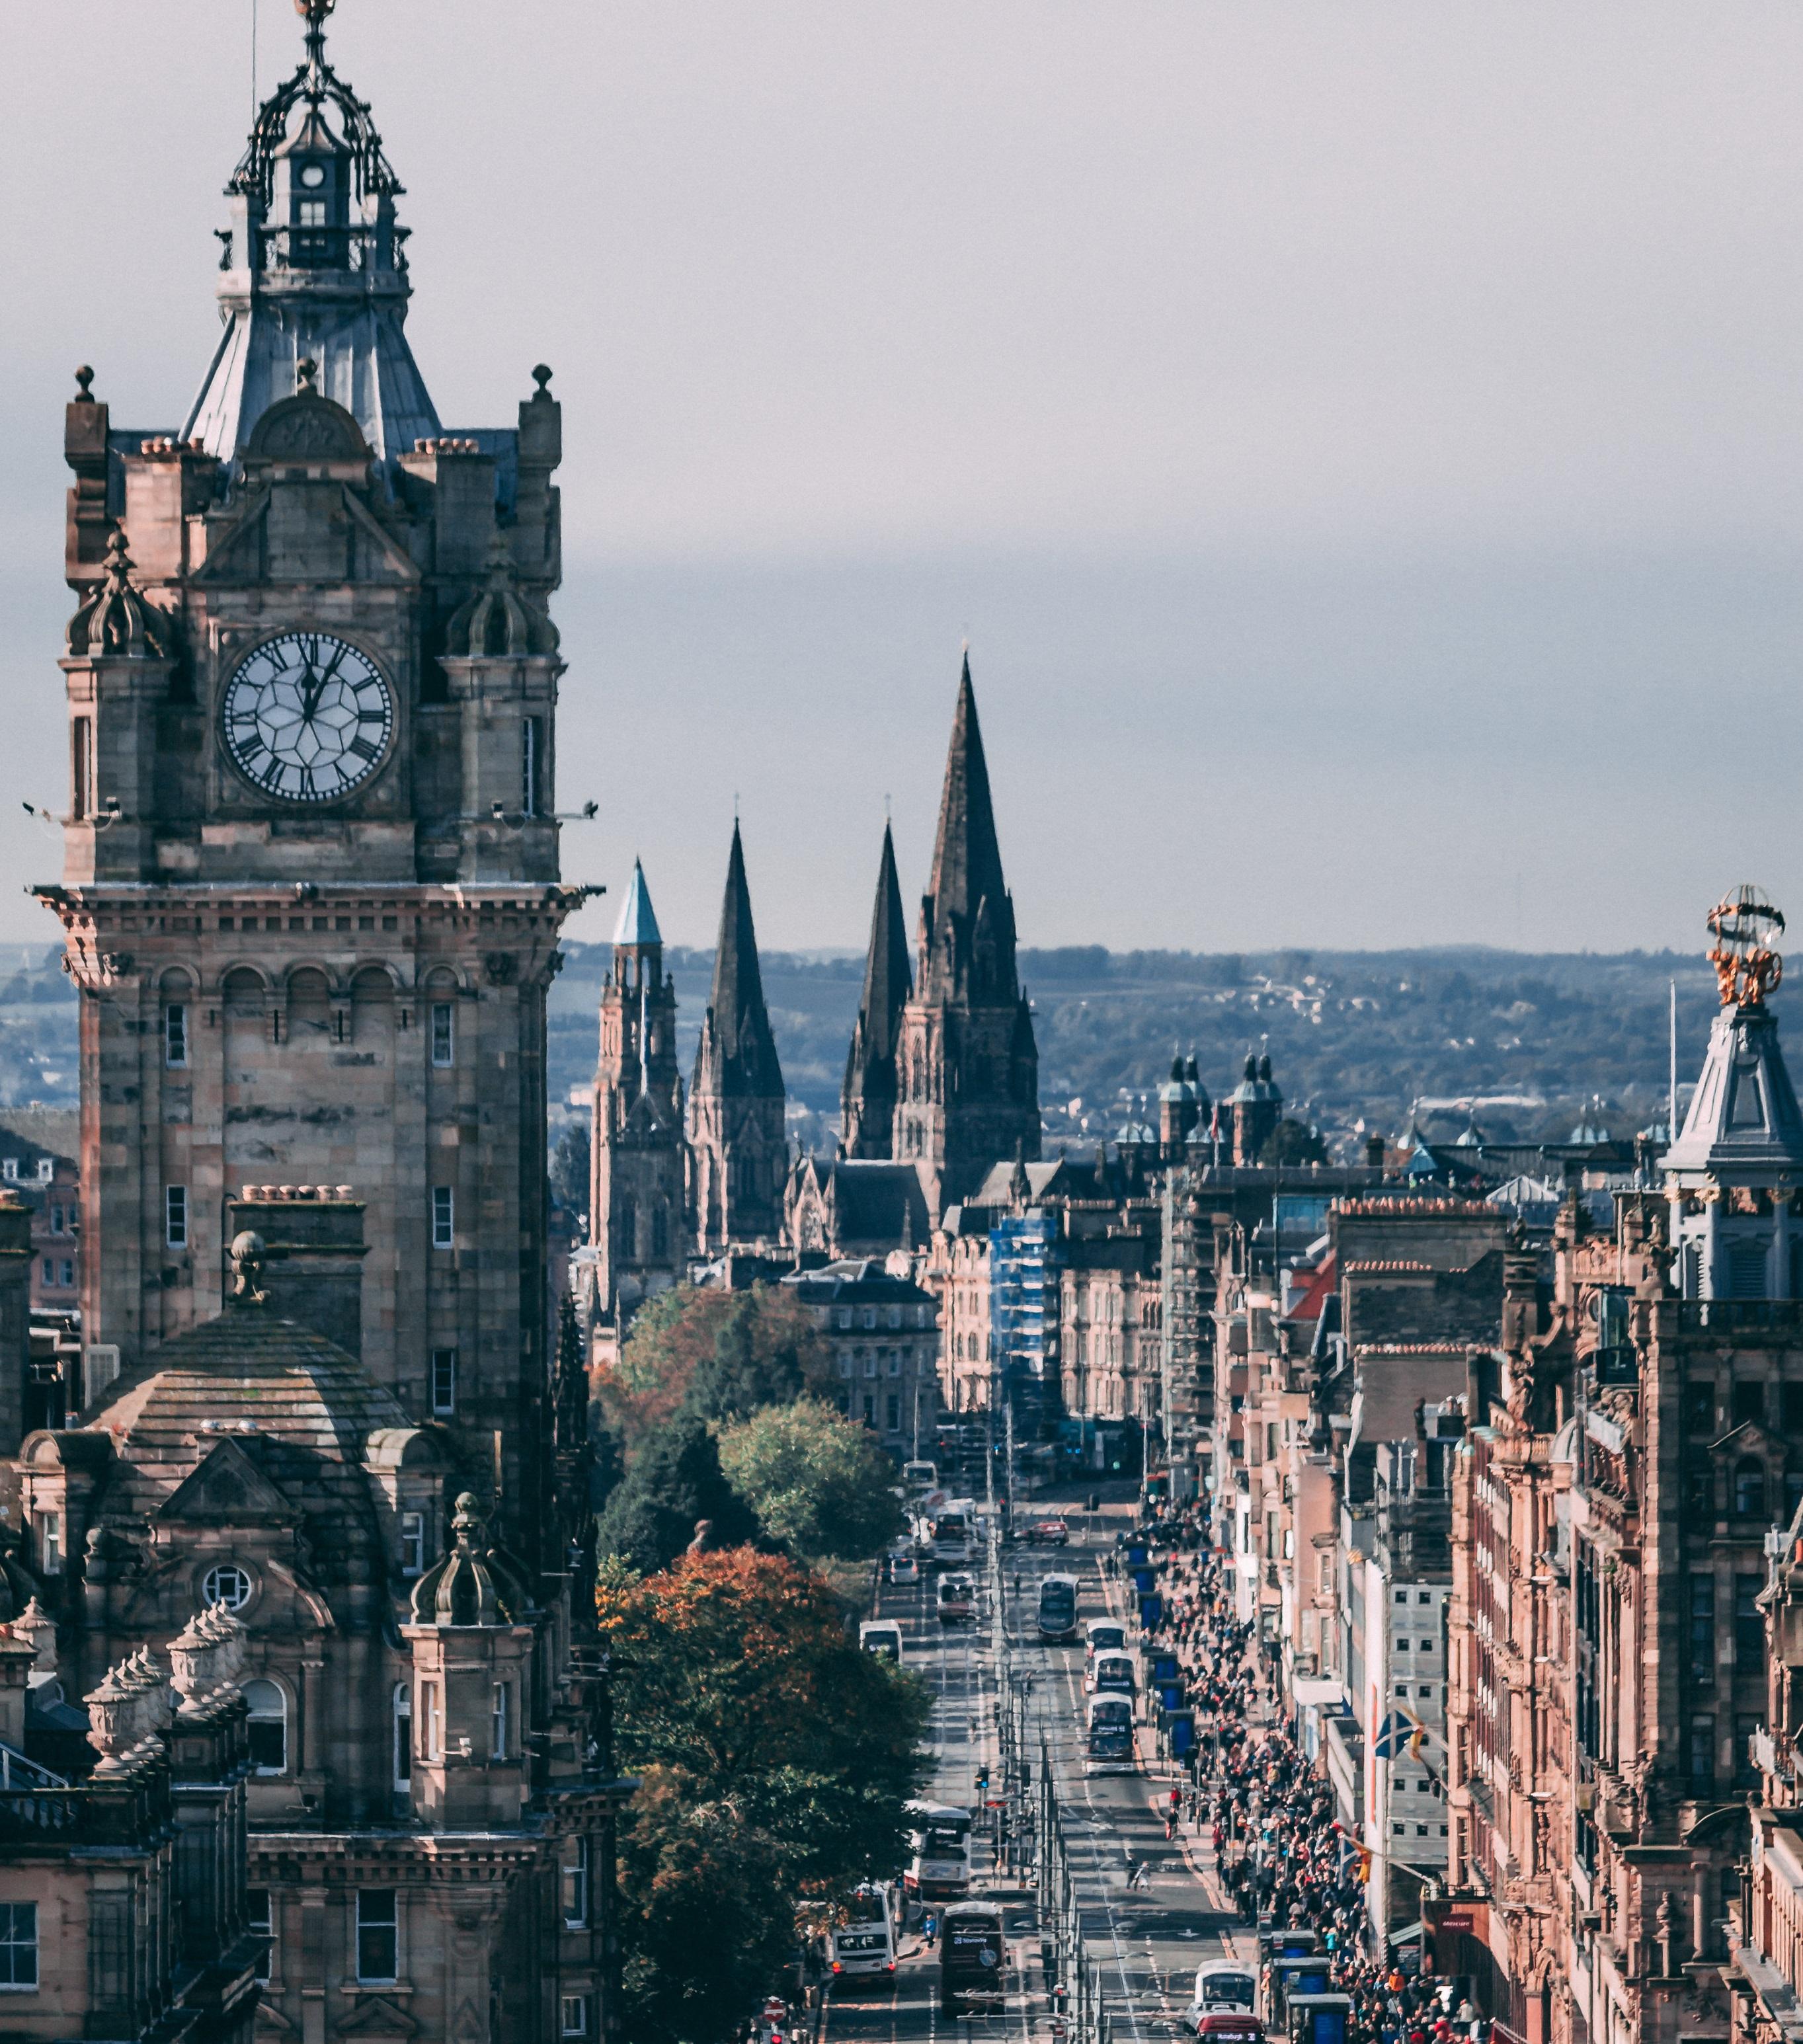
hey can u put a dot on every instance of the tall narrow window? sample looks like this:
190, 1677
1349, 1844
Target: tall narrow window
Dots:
412, 1543
531, 732
443, 1032
175, 1035
261, 1924
378, 1935
403, 1737
575, 2015
430, 1726
268, 1726
176, 1216
576, 1886
499, 1712
444, 1217
19, 1944
443, 1380
50, 1542
81, 769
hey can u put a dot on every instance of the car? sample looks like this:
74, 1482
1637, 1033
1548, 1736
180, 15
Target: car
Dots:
904, 1568
1048, 1533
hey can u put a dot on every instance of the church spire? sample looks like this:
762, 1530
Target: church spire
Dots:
738, 1021
868, 1099
966, 1064
737, 1140
966, 918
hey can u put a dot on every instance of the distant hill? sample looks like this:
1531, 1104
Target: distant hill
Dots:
1540, 1041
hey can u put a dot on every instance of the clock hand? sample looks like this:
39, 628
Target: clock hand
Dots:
309, 699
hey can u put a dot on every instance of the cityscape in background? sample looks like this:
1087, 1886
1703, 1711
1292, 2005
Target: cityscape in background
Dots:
623, 1491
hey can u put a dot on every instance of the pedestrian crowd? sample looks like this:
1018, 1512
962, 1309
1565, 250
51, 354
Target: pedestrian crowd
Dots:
1282, 1856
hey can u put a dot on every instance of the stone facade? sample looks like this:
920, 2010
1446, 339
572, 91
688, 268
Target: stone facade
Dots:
310, 891
311, 899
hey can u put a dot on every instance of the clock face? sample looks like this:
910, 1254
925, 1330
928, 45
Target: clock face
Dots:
306, 717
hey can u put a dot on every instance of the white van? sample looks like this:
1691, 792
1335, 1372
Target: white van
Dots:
881, 1636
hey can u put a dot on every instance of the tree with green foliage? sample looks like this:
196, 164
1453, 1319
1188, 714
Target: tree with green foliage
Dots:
819, 1484
675, 1480
702, 1943
712, 1351
1293, 1142
777, 1759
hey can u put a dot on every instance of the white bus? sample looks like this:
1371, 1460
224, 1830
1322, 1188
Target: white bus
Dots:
1108, 1743
865, 1943
954, 1527
938, 1852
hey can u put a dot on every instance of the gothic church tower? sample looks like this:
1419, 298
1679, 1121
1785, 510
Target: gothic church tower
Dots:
639, 1157
311, 893
967, 1067
868, 1099
739, 1154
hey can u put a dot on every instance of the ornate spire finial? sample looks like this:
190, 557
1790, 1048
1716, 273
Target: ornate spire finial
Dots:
1744, 924
306, 370
314, 13
84, 383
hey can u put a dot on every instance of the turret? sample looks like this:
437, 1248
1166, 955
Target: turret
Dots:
471, 1637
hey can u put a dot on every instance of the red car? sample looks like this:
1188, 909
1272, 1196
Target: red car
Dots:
1048, 1533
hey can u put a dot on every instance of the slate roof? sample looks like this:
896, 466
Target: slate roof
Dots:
248, 1376
1743, 1119
638, 919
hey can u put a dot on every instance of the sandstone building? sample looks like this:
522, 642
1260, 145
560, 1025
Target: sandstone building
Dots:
311, 898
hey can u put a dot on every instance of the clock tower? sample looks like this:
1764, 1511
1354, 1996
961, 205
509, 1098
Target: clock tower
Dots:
311, 893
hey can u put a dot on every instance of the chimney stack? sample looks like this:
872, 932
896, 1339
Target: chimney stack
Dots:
312, 1262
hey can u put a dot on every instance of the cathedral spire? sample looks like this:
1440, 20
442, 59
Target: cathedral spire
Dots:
966, 918
868, 1099
737, 1139
966, 1064
738, 1019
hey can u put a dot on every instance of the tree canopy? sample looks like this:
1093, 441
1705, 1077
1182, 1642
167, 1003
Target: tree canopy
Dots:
818, 1483
776, 1759
1293, 1142
675, 1480
720, 1354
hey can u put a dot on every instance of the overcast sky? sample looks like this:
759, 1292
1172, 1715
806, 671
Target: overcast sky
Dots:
1361, 441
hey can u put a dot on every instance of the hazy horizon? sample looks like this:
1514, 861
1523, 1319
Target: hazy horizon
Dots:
1362, 445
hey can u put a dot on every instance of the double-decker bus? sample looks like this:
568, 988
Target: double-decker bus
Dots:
938, 1852
1107, 1746
973, 1961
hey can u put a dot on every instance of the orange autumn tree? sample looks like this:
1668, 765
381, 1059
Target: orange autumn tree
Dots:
768, 1743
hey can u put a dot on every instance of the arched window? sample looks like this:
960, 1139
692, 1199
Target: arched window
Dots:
403, 1736
659, 1229
268, 1726
1749, 1488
